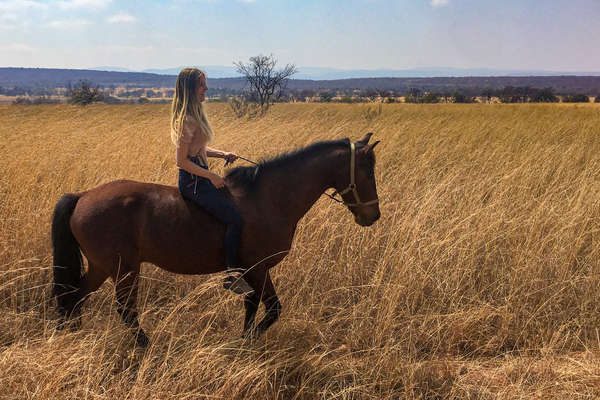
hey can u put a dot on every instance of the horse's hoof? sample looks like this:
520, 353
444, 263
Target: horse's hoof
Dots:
142, 340
73, 324
251, 336
62, 324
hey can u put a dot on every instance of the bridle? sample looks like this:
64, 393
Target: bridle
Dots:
352, 186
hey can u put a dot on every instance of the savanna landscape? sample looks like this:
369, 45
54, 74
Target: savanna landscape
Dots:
480, 280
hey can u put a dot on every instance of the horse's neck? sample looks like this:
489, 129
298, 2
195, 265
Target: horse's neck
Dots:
294, 188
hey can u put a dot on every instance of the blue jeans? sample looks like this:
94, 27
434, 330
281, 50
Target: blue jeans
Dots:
202, 192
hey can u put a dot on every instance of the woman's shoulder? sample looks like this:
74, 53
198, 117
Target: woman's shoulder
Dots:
189, 128
190, 121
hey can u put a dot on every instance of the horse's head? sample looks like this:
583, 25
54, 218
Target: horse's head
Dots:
357, 185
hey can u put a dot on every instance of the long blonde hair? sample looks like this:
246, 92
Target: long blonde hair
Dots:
186, 105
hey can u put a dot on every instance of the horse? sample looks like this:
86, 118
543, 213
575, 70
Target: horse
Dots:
120, 224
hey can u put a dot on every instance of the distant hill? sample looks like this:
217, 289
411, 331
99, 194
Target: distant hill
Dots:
47, 77
114, 69
211, 71
316, 73
50, 77
322, 73
474, 85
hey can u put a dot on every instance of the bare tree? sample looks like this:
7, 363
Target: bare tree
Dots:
266, 84
84, 93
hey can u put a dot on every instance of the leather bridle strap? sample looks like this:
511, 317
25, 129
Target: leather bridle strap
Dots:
352, 186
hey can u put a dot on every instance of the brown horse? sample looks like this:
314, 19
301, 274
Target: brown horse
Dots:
123, 223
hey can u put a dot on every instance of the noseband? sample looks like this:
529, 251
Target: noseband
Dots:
352, 186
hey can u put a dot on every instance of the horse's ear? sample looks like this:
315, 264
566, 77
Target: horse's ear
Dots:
369, 148
372, 145
365, 139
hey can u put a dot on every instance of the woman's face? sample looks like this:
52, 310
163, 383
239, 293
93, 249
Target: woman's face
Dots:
201, 88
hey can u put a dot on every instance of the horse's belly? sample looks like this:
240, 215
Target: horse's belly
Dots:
185, 256
183, 244
198, 268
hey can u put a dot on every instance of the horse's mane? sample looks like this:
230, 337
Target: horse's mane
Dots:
247, 177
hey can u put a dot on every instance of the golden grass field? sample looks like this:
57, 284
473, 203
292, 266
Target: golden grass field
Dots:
481, 280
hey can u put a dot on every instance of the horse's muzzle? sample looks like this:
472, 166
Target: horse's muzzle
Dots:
364, 220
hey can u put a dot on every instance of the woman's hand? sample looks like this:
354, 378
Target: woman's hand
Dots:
230, 157
217, 181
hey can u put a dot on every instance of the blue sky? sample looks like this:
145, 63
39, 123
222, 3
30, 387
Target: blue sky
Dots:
559, 35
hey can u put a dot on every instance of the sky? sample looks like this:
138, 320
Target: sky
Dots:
551, 35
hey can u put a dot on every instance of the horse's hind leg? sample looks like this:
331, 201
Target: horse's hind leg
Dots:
91, 280
126, 286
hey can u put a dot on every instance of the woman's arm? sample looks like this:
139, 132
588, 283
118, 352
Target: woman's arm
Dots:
210, 152
184, 163
230, 157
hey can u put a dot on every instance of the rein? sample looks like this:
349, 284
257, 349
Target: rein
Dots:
351, 186
245, 159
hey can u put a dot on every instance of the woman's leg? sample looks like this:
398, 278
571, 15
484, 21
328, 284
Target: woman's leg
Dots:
222, 208
208, 197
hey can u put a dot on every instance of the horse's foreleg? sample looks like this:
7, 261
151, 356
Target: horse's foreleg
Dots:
251, 302
265, 291
273, 310
126, 286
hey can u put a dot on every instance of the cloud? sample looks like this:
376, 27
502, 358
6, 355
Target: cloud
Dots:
439, 3
121, 18
12, 21
126, 49
17, 14
17, 48
8, 21
199, 50
68, 24
20, 5
89, 4
8, 17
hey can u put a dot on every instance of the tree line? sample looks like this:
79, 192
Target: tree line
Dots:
265, 85
85, 92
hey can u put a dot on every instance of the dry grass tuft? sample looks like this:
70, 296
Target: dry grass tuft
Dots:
480, 281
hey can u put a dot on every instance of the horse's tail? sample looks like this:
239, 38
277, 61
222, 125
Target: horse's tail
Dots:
67, 256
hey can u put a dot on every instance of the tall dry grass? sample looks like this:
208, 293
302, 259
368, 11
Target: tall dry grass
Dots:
480, 280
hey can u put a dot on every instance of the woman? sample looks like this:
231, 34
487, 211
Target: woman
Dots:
191, 133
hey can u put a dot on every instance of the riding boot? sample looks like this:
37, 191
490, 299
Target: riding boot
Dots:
235, 281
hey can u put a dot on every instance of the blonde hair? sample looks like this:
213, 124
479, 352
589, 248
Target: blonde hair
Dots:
186, 105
